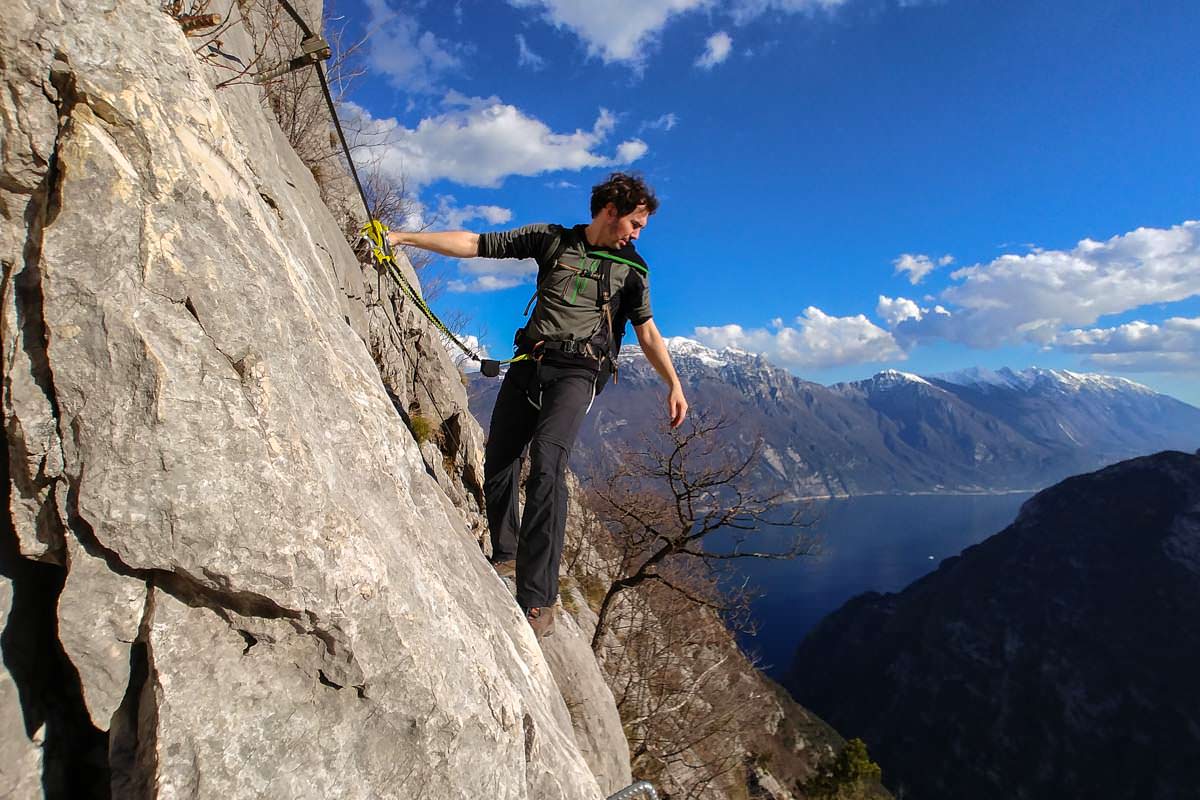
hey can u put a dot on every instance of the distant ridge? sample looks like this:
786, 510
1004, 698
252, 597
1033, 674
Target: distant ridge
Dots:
1027, 378
973, 430
1056, 659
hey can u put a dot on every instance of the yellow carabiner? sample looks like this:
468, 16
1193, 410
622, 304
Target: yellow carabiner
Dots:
376, 233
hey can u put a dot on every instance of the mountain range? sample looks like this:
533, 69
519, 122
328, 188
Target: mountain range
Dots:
969, 431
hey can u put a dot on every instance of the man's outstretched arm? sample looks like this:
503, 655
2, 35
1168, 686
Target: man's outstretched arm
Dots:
457, 244
655, 348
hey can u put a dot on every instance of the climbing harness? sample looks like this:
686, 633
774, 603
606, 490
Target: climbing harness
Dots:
642, 790
600, 271
315, 50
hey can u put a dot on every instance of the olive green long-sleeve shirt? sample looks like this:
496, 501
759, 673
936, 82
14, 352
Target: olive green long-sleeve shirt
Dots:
568, 282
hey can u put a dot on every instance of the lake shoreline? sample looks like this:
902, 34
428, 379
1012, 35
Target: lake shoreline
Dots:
931, 493
877, 542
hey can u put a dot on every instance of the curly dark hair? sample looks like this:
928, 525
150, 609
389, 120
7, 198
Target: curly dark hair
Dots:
625, 191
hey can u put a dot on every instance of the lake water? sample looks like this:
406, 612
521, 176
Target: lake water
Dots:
880, 544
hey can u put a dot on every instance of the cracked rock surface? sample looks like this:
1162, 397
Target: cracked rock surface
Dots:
228, 571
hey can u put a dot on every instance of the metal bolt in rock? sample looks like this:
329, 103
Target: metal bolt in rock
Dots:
642, 790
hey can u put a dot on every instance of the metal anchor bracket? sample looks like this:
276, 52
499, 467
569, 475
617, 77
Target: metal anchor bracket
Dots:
313, 49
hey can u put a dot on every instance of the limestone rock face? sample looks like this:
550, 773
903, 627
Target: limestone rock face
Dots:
593, 711
259, 588
100, 613
20, 759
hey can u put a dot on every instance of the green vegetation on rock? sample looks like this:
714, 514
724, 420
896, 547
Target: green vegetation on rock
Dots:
850, 775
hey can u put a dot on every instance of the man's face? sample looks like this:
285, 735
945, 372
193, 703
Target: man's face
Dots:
622, 230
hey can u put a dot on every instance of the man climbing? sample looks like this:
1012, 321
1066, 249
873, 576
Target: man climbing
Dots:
590, 281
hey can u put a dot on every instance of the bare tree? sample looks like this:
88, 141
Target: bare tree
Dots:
674, 677
663, 629
295, 96
665, 501
299, 106
262, 20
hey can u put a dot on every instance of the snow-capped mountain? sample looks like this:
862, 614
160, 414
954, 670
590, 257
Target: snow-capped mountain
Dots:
1037, 377
1112, 417
972, 430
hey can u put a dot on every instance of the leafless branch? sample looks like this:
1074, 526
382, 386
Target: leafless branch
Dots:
665, 501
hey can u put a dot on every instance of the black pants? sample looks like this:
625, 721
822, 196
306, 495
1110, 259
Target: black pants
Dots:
534, 538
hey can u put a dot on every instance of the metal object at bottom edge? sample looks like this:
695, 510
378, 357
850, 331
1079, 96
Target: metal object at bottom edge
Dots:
642, 790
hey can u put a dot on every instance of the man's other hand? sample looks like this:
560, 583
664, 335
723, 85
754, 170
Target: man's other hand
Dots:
655, 349
677, 406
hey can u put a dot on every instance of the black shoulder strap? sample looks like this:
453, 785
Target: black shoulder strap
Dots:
558, 251
603, 295
604, 288
563, 244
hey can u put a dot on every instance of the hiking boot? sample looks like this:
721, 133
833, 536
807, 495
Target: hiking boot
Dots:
506, 568
541, 620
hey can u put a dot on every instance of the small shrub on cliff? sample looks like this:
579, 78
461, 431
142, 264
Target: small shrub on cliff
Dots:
850, 775
594, 589
422, 428
568, 597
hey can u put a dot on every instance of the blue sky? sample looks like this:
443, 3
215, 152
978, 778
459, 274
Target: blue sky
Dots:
846, 185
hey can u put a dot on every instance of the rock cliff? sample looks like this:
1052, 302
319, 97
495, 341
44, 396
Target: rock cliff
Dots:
229, 569
1056, 659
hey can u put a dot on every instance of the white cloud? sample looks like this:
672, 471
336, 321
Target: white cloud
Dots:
918, 266
472, 343
817, 340
745, 10
480, 142
623, 30
631, 150
716, 49
411, 59
1171, 346
614, 30
1144, 362
484, 283
895, 311
526, 57
664, 123
1032, 297
509, 267
492, 274
455, 217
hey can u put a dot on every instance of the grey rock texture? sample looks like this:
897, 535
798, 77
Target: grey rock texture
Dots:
260, 589
20, 756
99, 615
568, 651
593, 711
